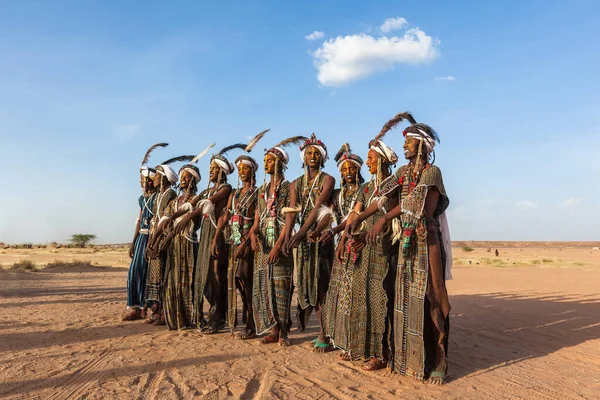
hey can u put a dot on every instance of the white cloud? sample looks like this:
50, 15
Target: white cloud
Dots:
527, 205
392, 24
570, 202
316, 35
449, 78
344, 59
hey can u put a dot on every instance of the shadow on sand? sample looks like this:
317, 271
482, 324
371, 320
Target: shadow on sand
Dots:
498, 329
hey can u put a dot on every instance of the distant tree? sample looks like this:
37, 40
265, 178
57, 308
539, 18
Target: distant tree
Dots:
82, 239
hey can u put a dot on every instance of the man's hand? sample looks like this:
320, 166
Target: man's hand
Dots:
254, 242
179, 228
326, 236
314, 236
239, 252
340, 252
375, 233
274, 255
294, 241
214, 251
353, 227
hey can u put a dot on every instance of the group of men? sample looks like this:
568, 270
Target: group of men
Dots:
370, 258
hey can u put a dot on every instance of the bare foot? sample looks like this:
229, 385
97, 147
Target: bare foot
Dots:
268, 340
345, 356
321, 347
284, 342
374, 364
246, 335
436, 378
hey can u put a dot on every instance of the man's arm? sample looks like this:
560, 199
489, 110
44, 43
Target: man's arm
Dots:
324, 197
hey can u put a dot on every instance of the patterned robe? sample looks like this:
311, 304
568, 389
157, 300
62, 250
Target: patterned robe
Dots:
414, 319
313, 260
241, 218
272, 287
204, 261
368, 300
178, 302
156, 265
336, 311
136, 278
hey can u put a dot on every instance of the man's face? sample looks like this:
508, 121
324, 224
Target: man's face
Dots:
312, 157
269, 163
372, 158
185, 179
411, 148
349, 172
157, 177
245, 172
214, 172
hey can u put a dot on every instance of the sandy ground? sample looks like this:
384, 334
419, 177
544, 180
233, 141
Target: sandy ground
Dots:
528, 330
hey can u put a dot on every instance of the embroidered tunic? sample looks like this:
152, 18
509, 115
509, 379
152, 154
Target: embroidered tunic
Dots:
272, 287
413, 315
241, 218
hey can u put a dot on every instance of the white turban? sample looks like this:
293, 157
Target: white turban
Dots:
428, 140
284, 154
192, 172
146, 172
169, 172
247, 161
385, 151
321, 149
225, 165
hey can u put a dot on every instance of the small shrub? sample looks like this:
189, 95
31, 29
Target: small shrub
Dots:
74, 263
25, 265
467, 248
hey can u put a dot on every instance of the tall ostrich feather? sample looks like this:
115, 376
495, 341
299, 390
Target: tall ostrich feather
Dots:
150, 150
291, 141
395, 121
229, 148
201, 154
254, 141
179, 158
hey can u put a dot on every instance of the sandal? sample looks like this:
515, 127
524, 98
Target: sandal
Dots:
374, 364
437, 378
246, 335
268, 340
284, 342
211, 330
321, 347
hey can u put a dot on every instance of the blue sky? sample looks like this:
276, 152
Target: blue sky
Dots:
511, 87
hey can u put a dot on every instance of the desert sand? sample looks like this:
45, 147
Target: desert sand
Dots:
524, 325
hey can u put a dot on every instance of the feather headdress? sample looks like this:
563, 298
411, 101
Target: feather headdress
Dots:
393, 122
177, 159
226, 149
421, 128
254, 141
344, 150
201, 154
150, 150
294, 140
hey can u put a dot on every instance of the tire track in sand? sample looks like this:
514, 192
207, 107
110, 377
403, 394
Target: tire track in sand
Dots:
80, 380
150, 391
